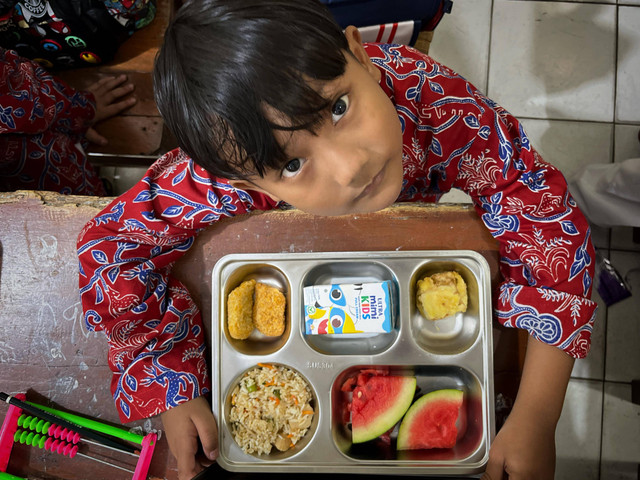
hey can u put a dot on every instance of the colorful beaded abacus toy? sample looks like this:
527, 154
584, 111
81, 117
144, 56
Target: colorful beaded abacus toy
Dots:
62, 433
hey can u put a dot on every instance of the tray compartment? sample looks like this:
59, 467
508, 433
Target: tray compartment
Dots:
340, 272
275, 455
429, 378
453, 334
257, 343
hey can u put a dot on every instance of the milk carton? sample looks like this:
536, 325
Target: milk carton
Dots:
348, 308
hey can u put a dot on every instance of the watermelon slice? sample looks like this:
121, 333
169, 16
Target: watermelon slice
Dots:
431, 421
379, 402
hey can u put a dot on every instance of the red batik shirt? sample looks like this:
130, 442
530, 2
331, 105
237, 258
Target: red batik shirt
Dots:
42, 126
454, 137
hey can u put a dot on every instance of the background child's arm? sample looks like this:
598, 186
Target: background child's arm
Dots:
36, 101
525, 445
111, 95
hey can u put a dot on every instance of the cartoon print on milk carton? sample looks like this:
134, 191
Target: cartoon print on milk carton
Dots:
348, 308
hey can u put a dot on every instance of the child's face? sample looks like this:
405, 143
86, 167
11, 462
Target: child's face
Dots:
353, 163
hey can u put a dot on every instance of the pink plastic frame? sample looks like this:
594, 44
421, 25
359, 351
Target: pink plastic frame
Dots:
10, 426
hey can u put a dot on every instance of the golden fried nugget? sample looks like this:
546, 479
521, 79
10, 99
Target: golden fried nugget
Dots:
441, 295
240, 309
268, 310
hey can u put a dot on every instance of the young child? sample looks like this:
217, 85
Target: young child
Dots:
45, 127
273, 103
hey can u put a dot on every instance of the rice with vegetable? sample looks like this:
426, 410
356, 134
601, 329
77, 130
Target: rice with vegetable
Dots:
271, 406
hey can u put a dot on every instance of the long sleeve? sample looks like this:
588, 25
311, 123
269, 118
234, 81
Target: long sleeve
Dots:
155, 334
547, 258
33, 101
455, 137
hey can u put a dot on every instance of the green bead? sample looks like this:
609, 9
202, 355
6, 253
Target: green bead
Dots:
34, 423
44, 427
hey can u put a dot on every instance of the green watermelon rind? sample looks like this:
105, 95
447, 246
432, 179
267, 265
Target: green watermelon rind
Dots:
388, 419
432, 397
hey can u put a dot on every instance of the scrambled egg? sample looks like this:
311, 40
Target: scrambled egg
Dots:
441, 295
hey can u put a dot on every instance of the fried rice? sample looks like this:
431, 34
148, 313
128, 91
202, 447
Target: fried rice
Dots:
271, 406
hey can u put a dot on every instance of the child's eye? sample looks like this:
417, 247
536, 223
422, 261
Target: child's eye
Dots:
292, 168
339, 108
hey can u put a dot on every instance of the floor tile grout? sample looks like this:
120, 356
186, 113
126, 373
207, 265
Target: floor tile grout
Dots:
488, 72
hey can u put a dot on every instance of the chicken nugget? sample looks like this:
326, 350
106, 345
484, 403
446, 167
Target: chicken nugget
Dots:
268, 310
240, 309
441, 295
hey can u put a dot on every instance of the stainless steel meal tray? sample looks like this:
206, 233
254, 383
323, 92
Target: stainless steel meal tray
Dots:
450, 353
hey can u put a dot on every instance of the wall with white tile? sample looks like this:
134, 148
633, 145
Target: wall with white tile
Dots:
628, 84
462, 38
579, 432
553, 60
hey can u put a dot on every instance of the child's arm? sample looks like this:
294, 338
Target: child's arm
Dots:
35, 101
464, 140
547, 262
525, 446
155, 334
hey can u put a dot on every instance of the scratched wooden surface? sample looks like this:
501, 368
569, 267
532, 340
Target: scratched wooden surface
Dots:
46, 351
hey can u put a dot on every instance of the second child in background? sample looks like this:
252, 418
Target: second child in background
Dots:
46, 126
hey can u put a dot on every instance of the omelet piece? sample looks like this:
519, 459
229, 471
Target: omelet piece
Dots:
240, 310
268, 310
441, 295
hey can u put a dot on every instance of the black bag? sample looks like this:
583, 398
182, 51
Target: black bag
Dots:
6, 5
71, 33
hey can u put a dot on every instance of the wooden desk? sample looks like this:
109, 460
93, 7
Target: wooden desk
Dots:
46, 351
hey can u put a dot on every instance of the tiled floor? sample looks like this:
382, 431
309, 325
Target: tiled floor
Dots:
571, 72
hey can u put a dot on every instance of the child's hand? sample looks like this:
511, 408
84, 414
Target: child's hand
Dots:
186, 426
525, 446
109, 93
523, 449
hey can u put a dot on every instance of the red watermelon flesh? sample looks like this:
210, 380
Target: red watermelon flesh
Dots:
379, 402
431, 421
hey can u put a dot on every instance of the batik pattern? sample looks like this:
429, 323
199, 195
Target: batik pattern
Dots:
454, 137
42, 126
155, 333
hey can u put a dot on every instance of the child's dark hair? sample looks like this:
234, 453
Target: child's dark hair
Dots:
225, 63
